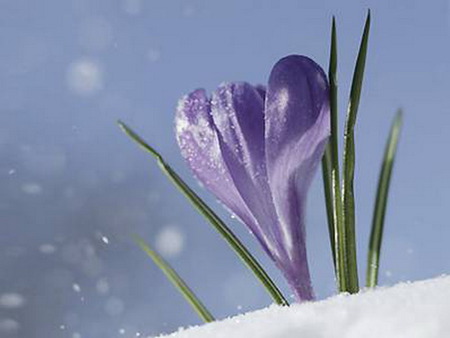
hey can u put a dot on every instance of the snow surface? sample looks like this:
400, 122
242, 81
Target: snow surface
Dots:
413, 310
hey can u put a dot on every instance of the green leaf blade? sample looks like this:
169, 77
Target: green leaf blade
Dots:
177, 281
376, 235
337, 234
213, 219
327, 187
348, 197
358, 76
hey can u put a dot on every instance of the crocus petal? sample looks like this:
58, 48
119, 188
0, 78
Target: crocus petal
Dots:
262, 91
257, 150
237, 112
296, 130
198, 142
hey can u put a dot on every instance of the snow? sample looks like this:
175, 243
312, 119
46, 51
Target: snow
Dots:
12, 300
85, 77
169, 241
9, 326
47, 249
102, 286
409, 310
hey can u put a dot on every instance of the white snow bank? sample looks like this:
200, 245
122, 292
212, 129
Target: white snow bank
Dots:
412, 310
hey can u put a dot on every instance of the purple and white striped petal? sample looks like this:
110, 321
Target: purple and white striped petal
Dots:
296, 131
199, 145
237, 110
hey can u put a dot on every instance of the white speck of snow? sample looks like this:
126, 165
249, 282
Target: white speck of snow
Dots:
62, 327
102, 237
102, 286
11, 171
418, 310
114, 306
76, 287
32, 188
47, 249
132, 7
9, 326
85, 77
170, 241
122, 331
12, 300
76, 335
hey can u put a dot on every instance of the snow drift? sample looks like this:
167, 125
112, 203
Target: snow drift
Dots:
412, 310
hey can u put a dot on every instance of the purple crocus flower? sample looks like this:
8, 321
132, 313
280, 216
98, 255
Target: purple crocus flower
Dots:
257, 150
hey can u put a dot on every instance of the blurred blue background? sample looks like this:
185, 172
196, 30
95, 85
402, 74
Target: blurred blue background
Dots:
73, 188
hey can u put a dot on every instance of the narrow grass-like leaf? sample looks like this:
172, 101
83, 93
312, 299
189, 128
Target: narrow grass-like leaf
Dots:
330, 161
212, 217
376, 235
177, 281
349, 160
327, 185
338, 232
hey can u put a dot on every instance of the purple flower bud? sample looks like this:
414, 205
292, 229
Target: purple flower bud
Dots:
257, 150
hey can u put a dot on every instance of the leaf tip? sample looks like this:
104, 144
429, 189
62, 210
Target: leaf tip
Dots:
127, 130
135, 137
398, 120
